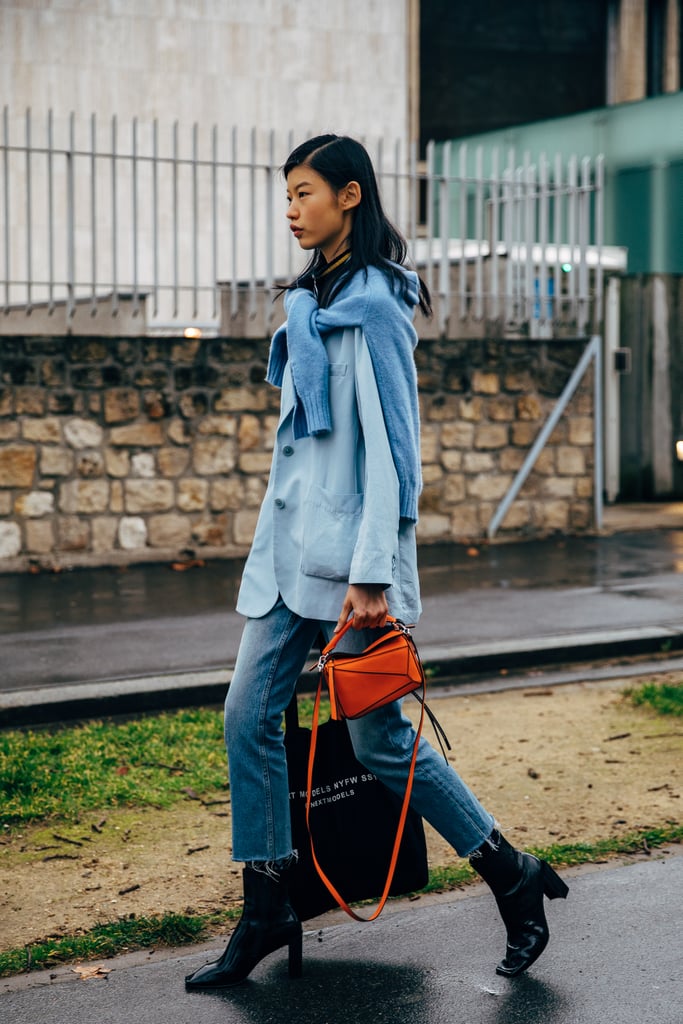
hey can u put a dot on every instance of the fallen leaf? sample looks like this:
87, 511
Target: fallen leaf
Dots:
91, 971
122, 769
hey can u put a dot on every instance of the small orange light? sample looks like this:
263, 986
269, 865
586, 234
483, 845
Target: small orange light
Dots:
192, 332
679, 450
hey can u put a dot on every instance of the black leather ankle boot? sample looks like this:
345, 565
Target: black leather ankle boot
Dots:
518, 881
268, 922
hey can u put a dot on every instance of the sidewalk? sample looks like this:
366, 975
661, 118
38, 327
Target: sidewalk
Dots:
614, 958
107, 640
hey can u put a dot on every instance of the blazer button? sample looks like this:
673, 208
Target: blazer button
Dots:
288, 450
279, 503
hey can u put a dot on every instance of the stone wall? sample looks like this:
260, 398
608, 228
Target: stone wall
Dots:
114, 451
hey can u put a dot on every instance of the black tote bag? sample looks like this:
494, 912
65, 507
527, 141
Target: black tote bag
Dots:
354, 818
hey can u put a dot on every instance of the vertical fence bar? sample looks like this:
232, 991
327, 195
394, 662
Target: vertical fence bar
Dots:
508, 231
270, 228
544, 311
397, 182
414, 199
114, 220
529, 235
70, 225
175, 219
29, 215
557, 238
6, 195
494, 208
584, 223
134, 214
214, 219
233, 240
195, 220
444, 232
50, 217
93, 215
517, 245
252, 222
571, 233
599, 215
430, 212
479, 233
462, 229
155, 217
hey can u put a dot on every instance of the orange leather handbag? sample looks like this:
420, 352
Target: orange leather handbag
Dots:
387, 669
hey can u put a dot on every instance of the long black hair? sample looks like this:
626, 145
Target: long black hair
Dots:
375, 241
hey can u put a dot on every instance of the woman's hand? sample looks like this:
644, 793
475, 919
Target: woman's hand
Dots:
369, 605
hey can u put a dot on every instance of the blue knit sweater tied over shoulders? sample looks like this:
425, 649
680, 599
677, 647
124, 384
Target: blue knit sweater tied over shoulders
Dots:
378, 307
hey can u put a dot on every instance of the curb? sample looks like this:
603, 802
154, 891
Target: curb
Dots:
444, 664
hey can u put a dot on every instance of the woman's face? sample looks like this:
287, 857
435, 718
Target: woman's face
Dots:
319, 217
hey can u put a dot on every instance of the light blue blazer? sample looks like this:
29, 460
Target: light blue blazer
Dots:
330, 514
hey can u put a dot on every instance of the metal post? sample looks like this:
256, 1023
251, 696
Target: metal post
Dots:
591, 352
598, 432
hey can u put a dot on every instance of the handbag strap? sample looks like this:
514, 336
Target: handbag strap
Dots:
402, 819
336, 637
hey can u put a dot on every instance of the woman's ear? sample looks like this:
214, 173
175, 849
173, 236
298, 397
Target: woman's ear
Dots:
350, 196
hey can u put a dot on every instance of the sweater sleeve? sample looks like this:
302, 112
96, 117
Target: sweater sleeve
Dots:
375, 554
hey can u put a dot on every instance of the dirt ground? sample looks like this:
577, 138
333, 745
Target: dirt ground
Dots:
569, 763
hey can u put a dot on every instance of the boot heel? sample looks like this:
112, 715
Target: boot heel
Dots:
296, 955
553, 886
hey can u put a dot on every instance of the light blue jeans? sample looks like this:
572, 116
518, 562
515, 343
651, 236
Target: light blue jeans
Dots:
272, 654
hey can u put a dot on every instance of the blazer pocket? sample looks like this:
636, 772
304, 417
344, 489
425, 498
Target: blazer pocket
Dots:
331, 524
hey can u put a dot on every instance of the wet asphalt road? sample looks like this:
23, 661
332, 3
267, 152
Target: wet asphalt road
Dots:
614, 958
112, 624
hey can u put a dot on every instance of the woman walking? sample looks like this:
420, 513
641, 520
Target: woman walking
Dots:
336, 538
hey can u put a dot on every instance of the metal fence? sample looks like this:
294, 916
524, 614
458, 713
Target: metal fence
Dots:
184, 225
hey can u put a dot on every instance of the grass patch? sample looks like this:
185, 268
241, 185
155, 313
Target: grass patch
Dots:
151, 761
128, 934
664, 698
112, 939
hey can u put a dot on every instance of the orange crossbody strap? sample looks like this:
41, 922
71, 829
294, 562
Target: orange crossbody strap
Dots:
401, 823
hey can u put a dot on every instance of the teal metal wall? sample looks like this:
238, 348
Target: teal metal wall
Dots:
643, 148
